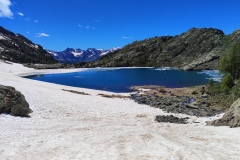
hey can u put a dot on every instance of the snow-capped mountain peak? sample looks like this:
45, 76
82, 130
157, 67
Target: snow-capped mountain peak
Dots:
71, 55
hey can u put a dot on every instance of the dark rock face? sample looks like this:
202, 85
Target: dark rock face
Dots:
195, 49
171, 119
13, 102
230, 118
17, 48
176, 104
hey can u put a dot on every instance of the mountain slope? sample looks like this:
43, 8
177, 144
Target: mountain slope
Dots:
194, 49
17, 48
72, 56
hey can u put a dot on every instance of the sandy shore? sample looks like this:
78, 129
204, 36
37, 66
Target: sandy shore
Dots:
66, 125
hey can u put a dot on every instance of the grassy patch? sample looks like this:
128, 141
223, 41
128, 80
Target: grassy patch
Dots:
223, 99
113, 96
77, 92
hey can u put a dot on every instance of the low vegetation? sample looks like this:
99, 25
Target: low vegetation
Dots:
225, 93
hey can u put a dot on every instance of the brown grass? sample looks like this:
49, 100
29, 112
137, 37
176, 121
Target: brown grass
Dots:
113, 96
77, 92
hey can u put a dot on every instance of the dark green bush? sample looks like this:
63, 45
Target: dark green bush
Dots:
227, 82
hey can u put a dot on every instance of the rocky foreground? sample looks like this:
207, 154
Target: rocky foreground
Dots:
192, 101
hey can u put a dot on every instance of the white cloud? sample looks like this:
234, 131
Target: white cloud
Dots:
88, 27
124, 37
20, 14
80, 26
5, 9
42, 35
36, 21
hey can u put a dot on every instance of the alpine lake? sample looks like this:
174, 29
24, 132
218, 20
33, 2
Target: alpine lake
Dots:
120, 80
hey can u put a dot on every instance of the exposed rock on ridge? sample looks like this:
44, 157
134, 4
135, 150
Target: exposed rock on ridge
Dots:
195, 49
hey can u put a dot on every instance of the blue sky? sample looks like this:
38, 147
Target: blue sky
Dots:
58, 24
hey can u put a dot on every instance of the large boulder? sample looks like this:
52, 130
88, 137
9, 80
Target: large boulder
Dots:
230, 118
13, 102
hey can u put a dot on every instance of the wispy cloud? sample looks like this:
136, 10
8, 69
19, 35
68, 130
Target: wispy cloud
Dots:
42, 35
125, 37
98, 21
20, 14
5, 9
28, 19
86, 27
36, 21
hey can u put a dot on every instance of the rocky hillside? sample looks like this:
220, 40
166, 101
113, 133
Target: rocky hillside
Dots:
193, 50
17, 48
72, 56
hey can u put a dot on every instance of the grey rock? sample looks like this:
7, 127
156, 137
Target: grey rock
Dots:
230, 118
193, 105
171, 119
204, 96
13, 102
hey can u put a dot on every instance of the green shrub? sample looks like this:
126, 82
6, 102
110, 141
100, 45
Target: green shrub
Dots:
227, 82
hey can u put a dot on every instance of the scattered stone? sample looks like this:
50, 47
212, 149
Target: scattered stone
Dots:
230, 118
193, 105
171, 119
13, 102
204, 95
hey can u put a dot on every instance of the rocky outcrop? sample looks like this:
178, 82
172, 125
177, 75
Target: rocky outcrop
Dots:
13, 102
230, 118
202, 62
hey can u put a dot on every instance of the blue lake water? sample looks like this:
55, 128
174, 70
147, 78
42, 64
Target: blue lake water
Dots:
121, 79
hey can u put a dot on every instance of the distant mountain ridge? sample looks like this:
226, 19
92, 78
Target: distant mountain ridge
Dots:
196, 49
72, 56
19, 49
